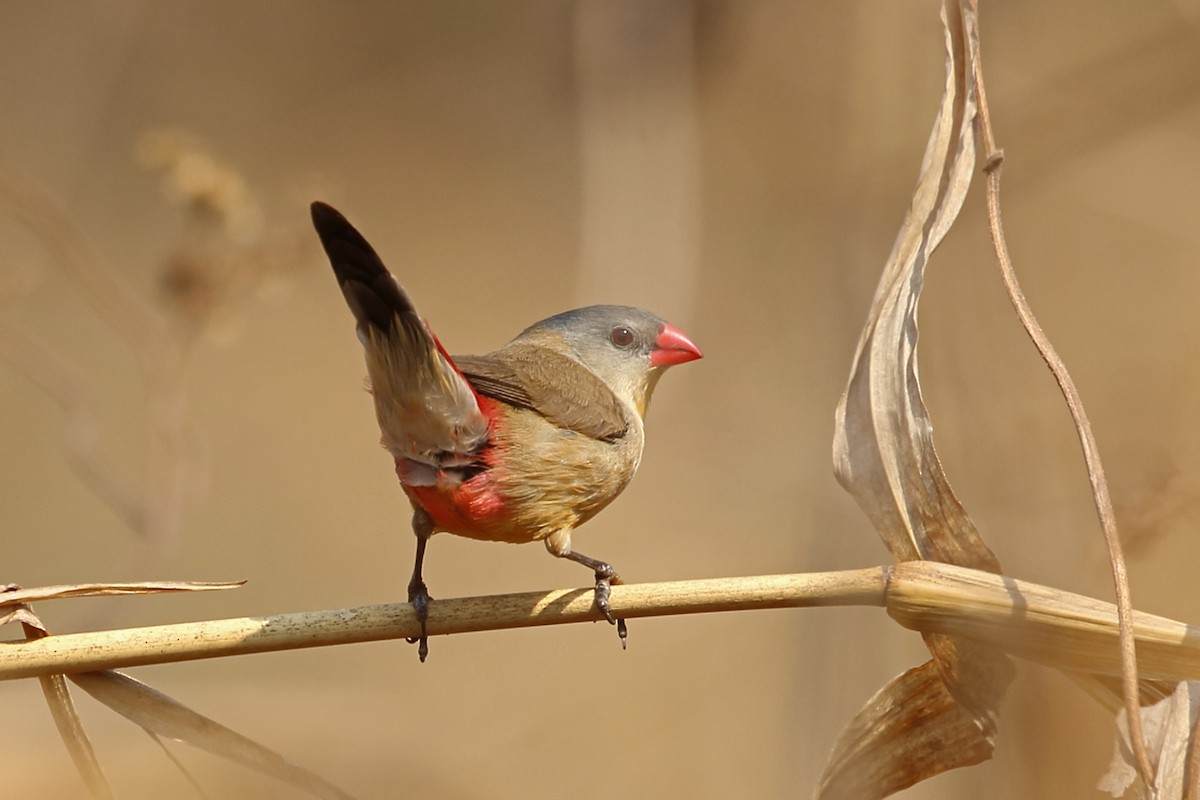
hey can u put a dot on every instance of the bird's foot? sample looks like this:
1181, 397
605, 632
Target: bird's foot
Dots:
418, 595
606, 576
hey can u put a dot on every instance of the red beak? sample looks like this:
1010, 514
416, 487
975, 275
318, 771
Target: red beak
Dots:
672, 347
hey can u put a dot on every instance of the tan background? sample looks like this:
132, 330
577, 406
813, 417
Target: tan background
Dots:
741, 169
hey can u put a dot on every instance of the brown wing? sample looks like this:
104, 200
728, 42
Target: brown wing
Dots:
554, 385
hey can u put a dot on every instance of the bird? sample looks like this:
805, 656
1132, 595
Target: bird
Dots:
523, 444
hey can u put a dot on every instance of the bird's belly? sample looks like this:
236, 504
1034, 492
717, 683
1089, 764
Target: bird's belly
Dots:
524, 499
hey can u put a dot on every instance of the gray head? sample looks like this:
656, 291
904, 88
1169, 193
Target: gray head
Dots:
627, 347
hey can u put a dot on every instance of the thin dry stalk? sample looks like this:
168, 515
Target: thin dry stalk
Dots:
1091, 451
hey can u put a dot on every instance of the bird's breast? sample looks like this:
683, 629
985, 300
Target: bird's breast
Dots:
533, 478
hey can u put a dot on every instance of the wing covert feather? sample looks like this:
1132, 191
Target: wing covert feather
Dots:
550, 383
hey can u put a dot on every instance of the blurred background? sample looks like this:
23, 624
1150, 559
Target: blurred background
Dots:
181, 389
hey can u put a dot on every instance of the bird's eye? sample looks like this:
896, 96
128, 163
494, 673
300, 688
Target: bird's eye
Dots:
621, 336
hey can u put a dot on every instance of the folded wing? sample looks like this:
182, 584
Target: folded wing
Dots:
553, 384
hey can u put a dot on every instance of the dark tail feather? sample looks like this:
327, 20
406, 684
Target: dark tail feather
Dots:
370, 290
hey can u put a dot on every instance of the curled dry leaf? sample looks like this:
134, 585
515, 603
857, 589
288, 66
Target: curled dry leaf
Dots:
884, 456
883, 439
886, 749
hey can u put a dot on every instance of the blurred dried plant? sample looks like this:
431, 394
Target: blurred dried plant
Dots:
1165, 498
221, 257
209, 191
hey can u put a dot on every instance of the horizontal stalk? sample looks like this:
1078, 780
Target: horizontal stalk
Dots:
1040, 623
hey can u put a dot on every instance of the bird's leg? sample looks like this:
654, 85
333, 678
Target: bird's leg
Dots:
606, 576
418, 594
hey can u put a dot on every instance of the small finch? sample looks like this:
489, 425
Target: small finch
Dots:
523, 444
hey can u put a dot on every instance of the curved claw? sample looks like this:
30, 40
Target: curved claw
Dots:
603, 589
605, 578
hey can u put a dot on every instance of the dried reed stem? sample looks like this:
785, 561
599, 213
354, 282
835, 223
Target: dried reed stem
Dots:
1037, 622
209, 639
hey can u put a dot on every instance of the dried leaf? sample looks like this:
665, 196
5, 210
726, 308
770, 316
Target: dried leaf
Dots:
885, 748
162, 716
883, 441
1167, 726
885, 457
22, 614
70, 728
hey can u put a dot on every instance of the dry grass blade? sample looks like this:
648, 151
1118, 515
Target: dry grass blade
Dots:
162, 716
70, 728
166, 751
62, 709
67, 590
157, 713
885, 457
1091, 451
